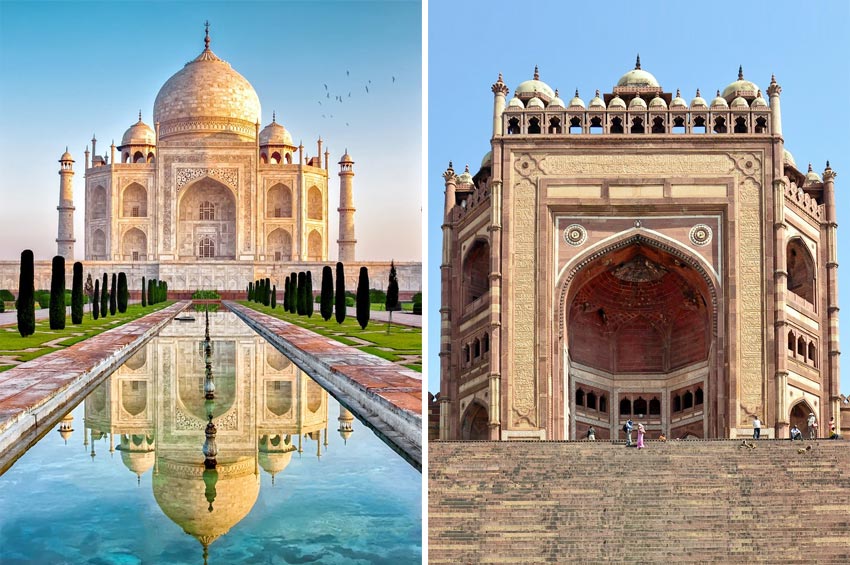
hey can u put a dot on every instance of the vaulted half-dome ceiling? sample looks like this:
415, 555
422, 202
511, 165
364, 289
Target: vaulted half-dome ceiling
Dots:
639, 310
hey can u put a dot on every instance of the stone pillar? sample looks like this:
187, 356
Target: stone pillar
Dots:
495, 230
447, 378
65, 238
773, 92
346, 209
780, 287
833, 349
499, 92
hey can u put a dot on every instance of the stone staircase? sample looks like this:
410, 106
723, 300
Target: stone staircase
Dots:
710, 501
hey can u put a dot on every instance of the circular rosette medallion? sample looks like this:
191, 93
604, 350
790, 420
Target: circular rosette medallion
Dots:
575, 235
701, 234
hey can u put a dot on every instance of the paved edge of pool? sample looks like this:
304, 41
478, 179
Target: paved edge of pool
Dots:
35, 394
386, 395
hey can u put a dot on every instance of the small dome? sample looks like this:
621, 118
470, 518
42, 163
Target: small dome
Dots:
535, 103
788, 158
577, 102
739, 102
812, 177
275, 134
739, 85
759, 102
139, 134
464, 177
617, 103
658, 103
698, 101
535, 88
637, 77
138, 462
66, 156
515, 103
719, 102
487, 161
556, 101
274, 463
597, 102
637, 103
346, 158
678, 101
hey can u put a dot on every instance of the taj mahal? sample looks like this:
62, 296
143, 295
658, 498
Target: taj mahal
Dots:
207, 197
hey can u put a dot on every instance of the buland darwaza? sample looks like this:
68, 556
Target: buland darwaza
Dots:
638, 256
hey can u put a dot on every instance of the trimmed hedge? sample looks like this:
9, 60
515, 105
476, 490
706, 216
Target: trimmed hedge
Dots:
77, 294
26, 295
57, 294
95, 304
123, 292
340, 301
362, 302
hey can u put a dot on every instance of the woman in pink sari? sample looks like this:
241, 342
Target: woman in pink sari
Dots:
641, 433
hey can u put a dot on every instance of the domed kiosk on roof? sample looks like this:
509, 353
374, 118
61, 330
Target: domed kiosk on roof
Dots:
741, 87
639, 78
534, 88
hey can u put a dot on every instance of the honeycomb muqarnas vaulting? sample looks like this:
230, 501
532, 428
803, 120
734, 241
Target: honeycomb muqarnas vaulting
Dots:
642, 257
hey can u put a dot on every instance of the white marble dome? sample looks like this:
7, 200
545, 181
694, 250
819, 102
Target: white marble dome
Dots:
207, 98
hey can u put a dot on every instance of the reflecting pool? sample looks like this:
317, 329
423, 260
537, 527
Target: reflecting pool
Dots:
122, 480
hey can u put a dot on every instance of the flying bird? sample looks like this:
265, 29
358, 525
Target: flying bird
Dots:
367, 90
326, 87
346, 73
349, 95
329, 94
393, 79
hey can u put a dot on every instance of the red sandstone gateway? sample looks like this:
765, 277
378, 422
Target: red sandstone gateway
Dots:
677, 268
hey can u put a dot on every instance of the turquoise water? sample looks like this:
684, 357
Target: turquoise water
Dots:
293, 484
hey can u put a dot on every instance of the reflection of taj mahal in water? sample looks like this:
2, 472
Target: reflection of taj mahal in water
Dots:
154, 412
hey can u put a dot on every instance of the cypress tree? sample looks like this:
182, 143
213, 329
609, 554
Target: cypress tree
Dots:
274, 297
267, 290
302, 289
339, 296
95, 303
57, 294
391, 303
77, 294
144, 294
26, 295
113, 295
250, 291
362, 300
104, 297
151, 285
286, 294
123, 292
326, 308
293, 289
308, 303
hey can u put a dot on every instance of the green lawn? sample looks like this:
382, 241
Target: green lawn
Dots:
403, 344
13, 346
405, 307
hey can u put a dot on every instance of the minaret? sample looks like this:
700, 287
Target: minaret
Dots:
773, 91
499, 92
346, 209
65, 239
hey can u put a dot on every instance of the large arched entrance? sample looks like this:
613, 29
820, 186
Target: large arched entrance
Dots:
799, 416
475, 424
206, 227
639, 337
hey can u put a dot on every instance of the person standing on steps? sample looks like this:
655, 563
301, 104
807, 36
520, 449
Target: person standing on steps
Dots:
627, 428
641, 433
813, 426
756, 428
591, 433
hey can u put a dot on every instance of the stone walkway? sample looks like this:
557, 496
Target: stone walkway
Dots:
32, 393
386, 395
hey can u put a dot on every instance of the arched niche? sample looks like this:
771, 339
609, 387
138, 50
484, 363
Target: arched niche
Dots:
206, 213
134, 201
279, 245
314, 246
279, 201
134, 245
314, 204
474, 425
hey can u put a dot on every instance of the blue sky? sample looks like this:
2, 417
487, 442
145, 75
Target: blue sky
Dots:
71, 69
589, 46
